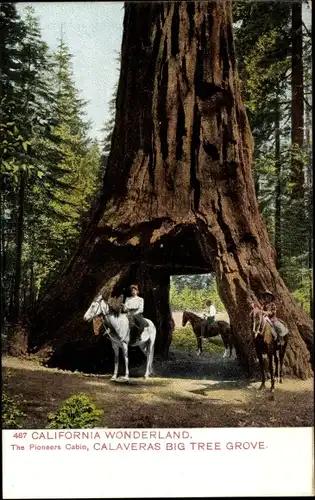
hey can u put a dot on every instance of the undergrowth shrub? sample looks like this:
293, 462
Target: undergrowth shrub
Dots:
302, 297
76, 412
185, 339
195, 300
11, 413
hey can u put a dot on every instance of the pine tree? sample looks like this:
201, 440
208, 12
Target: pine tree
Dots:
47, 154
109, 126
79, 166
266, 53
108, 131
16, 82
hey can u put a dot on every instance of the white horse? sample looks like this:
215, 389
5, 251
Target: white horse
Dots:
119, 333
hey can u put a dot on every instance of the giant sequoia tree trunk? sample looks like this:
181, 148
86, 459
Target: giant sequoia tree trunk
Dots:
178, 192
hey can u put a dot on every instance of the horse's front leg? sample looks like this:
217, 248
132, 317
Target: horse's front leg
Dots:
281, 356
116, 352
276, 365
231, 349
270, 356
262, 370
199, 344
226, 347
125, 353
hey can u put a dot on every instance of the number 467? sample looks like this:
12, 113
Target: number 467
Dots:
19, 435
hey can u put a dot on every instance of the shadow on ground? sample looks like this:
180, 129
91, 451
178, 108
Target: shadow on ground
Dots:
183, 364
285, 411
191, 392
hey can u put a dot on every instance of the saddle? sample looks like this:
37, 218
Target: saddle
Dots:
136, 329
209, 324
209, 320
281, 328
278, 330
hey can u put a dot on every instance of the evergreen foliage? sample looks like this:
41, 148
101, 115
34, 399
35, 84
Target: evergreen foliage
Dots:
193, 298
77, 412
263, 37
49, 164
109, 126
11, 413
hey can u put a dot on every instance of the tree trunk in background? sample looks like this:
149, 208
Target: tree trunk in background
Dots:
178, 188
297, 104
19, 244
3, 308
278, 194
154, 286
309, 200
32, 289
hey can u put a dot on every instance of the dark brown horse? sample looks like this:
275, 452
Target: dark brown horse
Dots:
212, 330
266, 343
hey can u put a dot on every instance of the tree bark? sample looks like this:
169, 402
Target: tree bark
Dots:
31, 291
19, 244
4, 312
297, 103
278, 194
309, 202
178, 188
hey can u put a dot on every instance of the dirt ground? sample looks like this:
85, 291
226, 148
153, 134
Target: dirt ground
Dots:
186, 391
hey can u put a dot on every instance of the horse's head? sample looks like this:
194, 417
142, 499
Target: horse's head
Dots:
185, 318
97, 308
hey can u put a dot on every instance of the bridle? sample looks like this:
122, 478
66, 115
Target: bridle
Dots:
98, 302
258, 327
104, 315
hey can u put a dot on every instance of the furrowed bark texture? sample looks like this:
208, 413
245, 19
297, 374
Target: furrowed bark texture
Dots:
178, 192
297, 103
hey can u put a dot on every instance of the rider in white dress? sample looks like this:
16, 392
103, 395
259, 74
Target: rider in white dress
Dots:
135, 306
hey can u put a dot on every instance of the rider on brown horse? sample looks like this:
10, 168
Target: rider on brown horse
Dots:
270, 311
210, 317
270, 335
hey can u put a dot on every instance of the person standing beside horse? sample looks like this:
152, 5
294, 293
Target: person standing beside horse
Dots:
209, 317
135, 306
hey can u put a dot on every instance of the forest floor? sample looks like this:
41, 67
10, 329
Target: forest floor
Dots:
186, 391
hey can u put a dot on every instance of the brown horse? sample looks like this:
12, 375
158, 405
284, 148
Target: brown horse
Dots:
266, 343
212, 330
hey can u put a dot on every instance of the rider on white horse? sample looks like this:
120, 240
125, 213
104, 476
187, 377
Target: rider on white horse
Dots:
135, 306
119, 333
